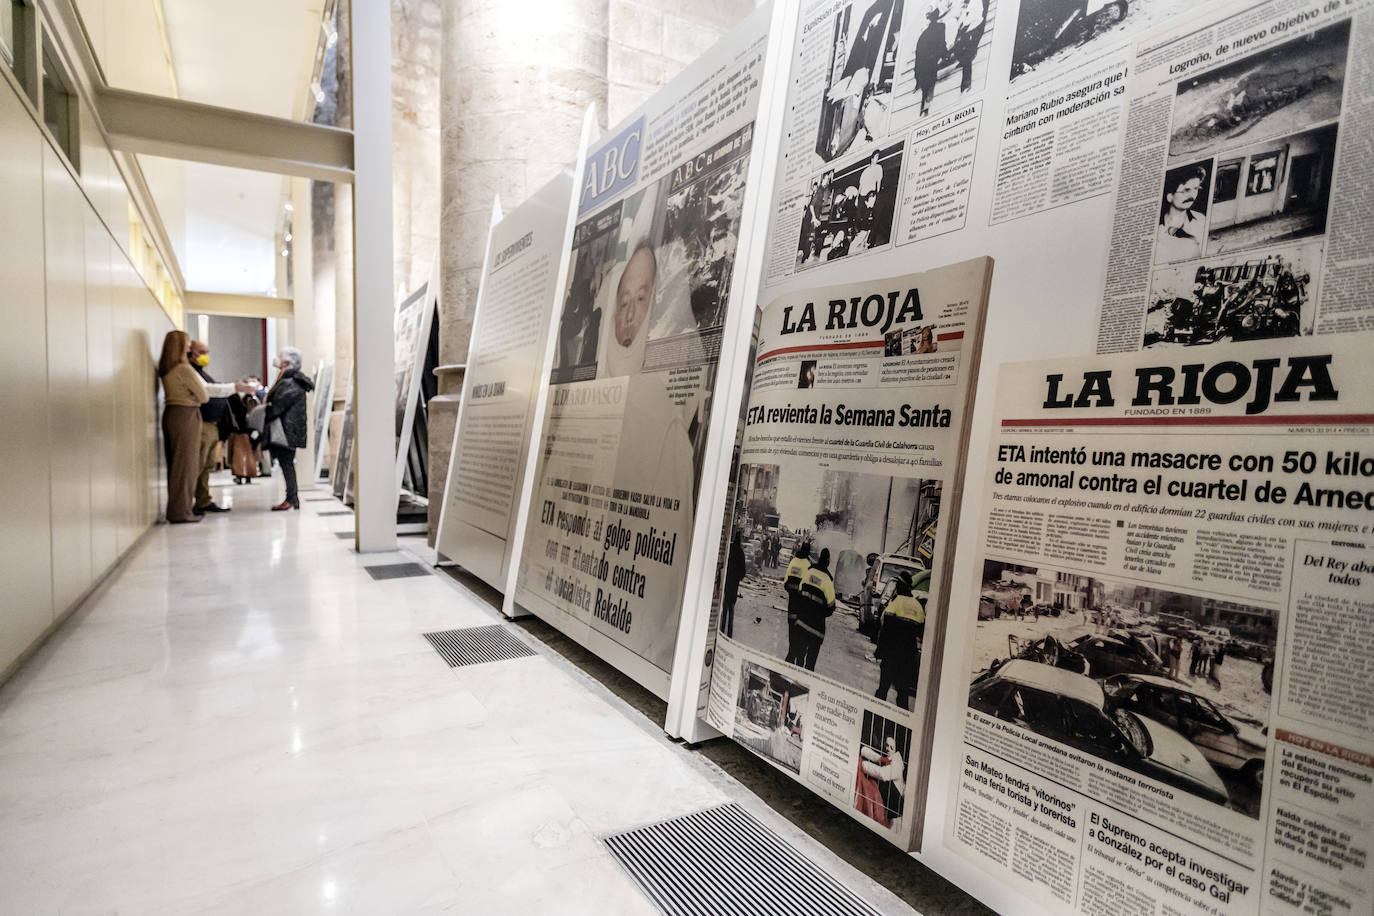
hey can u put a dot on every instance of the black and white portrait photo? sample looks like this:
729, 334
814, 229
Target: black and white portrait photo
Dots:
1182, 229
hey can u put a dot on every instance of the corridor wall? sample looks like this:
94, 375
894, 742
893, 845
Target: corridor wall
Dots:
79, 465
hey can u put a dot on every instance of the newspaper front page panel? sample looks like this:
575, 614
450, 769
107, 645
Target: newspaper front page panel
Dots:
1243, 199
638, 338
883, 117
1169, 687
501, 384
850, 449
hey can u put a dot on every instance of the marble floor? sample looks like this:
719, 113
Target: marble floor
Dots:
240, 720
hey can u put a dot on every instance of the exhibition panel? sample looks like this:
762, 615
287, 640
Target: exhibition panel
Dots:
650, 287
843, 505
507, 361
414, 322
1166, 664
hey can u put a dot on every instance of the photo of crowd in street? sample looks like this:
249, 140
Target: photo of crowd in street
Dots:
830, 571
770, 715
850, 211
880, 784
1171, 686
1262, 297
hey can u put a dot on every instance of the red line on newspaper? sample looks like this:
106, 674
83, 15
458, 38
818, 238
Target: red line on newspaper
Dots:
1334, 419
852, 345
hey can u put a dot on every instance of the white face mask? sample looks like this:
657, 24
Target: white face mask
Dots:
277, 363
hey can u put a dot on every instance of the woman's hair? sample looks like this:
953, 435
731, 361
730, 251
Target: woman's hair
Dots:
174, 347
291, 355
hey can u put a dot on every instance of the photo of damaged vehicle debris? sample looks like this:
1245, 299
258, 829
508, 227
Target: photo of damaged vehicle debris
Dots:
1168, 685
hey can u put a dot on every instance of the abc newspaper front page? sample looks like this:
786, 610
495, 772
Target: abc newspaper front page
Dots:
637, 344
828, 611
1168, 665
1244, 209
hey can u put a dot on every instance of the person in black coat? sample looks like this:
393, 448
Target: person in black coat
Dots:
930, 48
285, 423
735, 569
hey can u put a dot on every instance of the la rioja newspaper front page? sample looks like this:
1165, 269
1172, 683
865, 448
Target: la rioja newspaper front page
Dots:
1169, 704
829, 601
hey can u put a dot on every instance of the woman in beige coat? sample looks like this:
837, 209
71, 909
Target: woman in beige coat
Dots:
184, 392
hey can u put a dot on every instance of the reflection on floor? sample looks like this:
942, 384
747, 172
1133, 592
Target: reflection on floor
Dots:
242, 721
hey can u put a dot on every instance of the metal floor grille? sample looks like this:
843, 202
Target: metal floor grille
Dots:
477, 645
343, 534
722, 861
334, 512
396, 571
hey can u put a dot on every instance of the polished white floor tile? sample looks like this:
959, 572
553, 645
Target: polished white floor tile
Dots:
243, 721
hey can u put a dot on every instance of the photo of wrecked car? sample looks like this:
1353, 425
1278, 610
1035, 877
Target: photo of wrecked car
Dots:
1199, 668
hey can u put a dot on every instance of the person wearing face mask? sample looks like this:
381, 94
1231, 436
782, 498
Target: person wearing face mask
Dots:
285, 420
214, 425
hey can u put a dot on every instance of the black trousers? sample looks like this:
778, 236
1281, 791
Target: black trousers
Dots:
286, 457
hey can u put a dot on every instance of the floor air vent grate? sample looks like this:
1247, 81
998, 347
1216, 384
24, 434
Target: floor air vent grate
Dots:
722, 861
477, 645
396, 571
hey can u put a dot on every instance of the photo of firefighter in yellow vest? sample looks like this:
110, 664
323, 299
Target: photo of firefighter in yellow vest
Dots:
814, 600
901, 630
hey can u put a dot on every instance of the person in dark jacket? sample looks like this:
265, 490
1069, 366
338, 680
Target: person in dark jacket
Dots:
816, 597
285, 420
791, 581
735, 568
899, 643
930, 48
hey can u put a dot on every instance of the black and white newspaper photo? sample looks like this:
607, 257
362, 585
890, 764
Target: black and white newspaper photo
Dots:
1174, 612
834, 561
881, 127
1241, 203
637, 341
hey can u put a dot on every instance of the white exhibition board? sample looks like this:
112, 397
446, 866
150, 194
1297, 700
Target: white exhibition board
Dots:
505, 365
414, 319
324, 403
652, 284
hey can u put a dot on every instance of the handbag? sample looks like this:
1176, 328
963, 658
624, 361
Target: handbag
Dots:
276, 434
